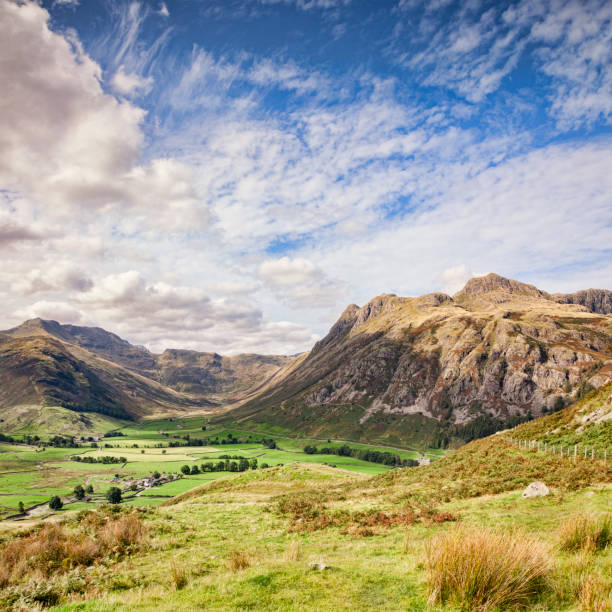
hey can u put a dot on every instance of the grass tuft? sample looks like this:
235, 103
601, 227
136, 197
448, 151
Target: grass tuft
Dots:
179, 576
586, 532
238, 560
595, 595
484, 570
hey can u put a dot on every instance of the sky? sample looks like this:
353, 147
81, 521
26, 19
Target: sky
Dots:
229, 175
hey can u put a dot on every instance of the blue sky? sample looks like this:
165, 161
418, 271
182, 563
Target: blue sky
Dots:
230, 175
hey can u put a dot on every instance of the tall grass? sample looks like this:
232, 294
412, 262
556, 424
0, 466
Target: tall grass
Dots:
485, 570
586, 532
238, 560
54, 549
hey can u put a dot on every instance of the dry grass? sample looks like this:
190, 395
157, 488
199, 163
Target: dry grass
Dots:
53, 549
293, 552
594, 595
484, 570
179, 576
586, 532
238, 560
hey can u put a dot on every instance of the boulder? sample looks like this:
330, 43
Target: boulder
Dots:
536, 489
319, 566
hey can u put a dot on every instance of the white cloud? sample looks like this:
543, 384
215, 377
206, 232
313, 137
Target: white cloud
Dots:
454, 278
56, 311
287, 271
130, 84
163, 10
84, 144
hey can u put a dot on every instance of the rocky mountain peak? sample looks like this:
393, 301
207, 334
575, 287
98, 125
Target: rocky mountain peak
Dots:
495, 283
594, 300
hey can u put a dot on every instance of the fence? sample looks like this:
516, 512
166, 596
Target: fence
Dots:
574, 451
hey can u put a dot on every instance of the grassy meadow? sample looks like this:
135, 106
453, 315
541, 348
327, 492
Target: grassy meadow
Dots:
32, 475
309, 532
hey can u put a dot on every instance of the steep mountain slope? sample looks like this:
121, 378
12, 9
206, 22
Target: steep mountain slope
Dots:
214, 375
436, 367
42, 370
91, 370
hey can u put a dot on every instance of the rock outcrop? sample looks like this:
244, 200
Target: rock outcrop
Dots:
497, 352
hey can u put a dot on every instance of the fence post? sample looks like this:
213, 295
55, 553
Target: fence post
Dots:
575, 451
585, 452
592, 454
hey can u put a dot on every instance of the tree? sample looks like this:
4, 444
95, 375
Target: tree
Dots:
186, 469
253, 463
79, 492
243, 464
113, 495
264, 466
55, 503
21, 507
89, 489
195, 469
156, 474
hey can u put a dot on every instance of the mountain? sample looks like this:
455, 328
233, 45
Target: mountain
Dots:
89, 369
437, 369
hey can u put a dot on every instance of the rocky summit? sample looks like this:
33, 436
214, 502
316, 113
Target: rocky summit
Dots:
437, 367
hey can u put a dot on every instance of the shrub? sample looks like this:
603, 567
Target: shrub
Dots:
586, 532
156, 474
113, 495
55, 503
186, 469
484, 570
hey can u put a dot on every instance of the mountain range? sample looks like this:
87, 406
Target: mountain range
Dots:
434, 369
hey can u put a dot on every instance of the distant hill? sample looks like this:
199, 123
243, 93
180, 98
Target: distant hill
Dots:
89, 369
439, 369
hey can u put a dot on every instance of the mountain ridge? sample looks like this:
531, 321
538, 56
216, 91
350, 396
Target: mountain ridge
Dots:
436, 367
433, 367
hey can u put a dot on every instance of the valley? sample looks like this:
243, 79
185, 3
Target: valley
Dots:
358, 475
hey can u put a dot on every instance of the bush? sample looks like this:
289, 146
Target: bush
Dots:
586, 532
186, 469
156, 474
55, 503
113, 495
485, 570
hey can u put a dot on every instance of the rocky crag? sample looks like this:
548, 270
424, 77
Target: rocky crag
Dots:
438, 368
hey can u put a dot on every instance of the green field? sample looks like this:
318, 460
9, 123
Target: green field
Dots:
32, 475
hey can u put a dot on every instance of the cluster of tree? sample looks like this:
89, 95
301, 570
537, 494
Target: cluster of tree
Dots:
242, 465
373, 456
113, 434
80, 491
5, 438
103, 459
269, 442
62, 442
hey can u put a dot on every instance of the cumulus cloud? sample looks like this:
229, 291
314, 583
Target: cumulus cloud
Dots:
56, 311
84, 144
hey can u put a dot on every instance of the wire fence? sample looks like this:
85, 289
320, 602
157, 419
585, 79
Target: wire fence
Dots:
572, 451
